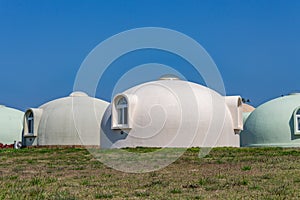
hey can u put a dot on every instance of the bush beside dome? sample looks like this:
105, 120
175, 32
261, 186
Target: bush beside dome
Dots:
274, 123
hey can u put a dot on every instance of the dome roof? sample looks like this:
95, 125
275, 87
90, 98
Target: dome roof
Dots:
71, 100
247, 108
272, 124
174, 113
10, 125
72, 120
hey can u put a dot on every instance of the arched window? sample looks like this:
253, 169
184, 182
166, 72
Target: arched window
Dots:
298, 120
30, 123
122, 111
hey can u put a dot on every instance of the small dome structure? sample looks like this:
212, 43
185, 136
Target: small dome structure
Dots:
10, 125
72, 120
275, 123
171, 113
247, 108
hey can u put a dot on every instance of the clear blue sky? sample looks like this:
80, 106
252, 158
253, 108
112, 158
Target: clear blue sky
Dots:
255, 44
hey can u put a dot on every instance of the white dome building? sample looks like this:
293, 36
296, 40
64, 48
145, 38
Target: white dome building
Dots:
10, 125
73, 120
172, 113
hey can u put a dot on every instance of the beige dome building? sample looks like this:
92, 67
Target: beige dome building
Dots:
247, 108
172, 113
72, 120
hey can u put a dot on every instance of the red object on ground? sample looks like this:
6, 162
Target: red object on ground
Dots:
6, 146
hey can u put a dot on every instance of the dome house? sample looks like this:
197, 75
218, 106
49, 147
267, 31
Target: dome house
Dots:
274, 123
10, 125
72, 120
171, 112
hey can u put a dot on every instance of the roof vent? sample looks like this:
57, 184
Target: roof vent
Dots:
78, 94
169, 77
295, 93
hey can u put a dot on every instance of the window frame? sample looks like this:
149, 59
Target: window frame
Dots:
297, 121
30, 123
123, 114
120, 113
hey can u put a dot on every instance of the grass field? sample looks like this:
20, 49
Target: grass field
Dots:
225, 173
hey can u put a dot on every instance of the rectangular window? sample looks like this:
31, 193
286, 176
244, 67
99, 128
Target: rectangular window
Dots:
298, 123
30, 125
120, 113
120, 116
125, 121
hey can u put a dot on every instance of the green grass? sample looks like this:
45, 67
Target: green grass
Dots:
225, 173
246, 168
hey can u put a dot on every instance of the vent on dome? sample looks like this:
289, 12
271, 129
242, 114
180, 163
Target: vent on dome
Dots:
78, 94
169, 77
